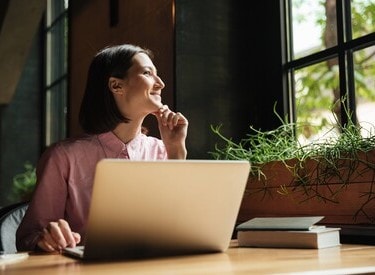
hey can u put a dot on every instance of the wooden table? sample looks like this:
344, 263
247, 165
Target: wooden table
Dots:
346, 259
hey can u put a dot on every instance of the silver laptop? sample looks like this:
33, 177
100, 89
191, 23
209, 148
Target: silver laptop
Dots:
161, 208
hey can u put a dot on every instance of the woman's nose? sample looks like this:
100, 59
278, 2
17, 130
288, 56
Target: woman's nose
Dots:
159, 83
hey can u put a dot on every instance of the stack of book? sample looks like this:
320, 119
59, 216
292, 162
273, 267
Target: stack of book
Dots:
287, 232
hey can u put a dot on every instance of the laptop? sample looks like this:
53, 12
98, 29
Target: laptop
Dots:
143, 209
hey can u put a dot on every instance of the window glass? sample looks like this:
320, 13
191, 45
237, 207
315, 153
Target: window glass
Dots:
56, 70
365, 88
363, 17
55, 9
56, 112
56, 50
315, 84
316, 94
313, 26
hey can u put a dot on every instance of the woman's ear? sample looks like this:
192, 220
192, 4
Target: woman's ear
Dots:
115, 85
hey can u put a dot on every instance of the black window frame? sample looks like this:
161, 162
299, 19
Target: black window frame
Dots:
55, 62
344, 49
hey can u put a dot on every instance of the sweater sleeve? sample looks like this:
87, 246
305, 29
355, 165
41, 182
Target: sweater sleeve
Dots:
49, 198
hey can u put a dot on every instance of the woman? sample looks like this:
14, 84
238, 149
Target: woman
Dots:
122, 89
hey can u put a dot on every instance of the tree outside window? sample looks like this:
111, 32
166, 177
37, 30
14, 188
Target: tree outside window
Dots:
331, 55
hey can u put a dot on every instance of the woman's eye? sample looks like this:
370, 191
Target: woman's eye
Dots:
147, 73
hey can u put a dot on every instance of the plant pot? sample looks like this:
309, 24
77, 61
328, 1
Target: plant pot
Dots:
343, 195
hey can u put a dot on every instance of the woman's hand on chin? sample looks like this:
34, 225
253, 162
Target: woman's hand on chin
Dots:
173, 131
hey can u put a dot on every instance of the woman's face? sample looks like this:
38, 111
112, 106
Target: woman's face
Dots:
141, 88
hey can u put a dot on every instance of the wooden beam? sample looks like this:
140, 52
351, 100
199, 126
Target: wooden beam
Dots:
18, 29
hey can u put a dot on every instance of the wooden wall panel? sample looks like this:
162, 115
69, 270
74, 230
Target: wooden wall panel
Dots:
146, 23
18, 27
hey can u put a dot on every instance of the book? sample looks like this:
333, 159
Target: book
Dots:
281, 223
287, 232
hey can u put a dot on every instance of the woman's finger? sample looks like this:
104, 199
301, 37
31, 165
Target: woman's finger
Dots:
57, 235
49, 241
77, 237
44, 245
67, 238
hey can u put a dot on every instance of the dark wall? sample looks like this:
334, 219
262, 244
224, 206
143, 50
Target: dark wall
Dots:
228, 68
20, 121
265, 60
3, 8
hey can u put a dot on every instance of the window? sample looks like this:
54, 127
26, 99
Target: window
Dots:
56, 37
330, 56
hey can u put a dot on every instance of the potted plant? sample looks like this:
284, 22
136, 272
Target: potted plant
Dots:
334, 178
23, 184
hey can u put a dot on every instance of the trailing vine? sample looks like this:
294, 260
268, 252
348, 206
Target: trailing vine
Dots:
341, 160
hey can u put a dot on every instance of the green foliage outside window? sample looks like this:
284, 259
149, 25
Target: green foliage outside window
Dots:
317, 86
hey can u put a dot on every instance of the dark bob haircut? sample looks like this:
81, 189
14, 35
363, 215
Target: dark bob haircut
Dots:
99, 113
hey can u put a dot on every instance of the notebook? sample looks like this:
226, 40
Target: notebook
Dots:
162, 208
